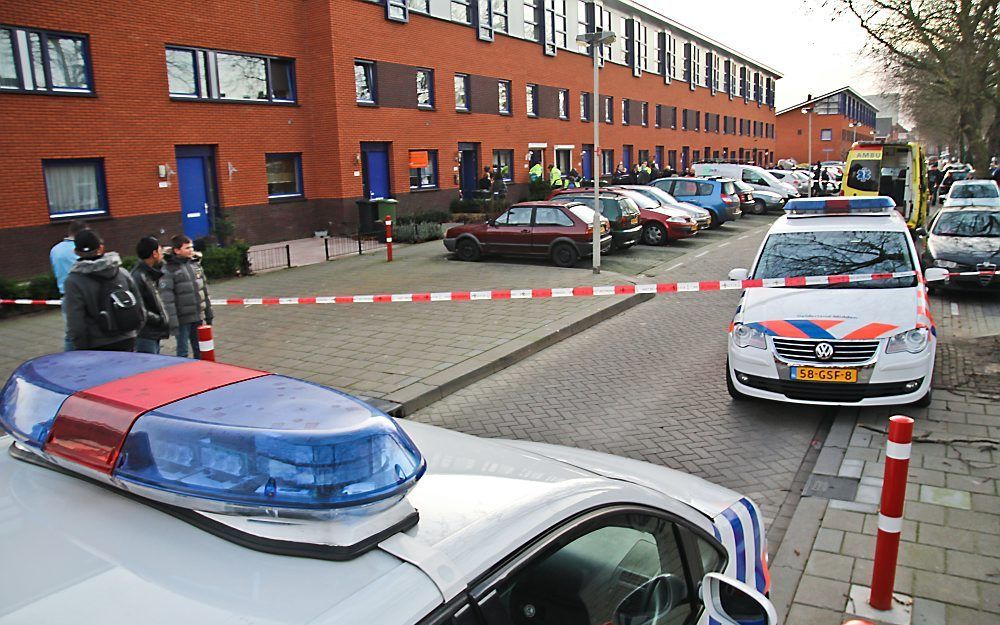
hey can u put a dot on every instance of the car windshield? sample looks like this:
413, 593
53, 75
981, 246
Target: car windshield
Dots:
979, 190
968, 223
658, 194
837, 252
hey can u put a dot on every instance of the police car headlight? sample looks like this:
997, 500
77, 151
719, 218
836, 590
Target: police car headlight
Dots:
745, 336
947, 264
913, 341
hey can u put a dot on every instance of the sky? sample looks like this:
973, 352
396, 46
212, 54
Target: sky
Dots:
815, 50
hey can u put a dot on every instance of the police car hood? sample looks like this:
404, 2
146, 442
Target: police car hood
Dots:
832, 313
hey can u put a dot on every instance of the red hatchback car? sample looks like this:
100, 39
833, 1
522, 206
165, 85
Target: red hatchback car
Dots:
659, 223
561, 231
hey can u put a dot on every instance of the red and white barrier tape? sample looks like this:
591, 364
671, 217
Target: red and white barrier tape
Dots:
579, 291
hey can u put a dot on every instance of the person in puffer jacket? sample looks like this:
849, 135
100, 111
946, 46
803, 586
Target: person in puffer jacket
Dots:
184, 290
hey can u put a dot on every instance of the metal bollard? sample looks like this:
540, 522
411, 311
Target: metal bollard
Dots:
388, 238
205, 343
890, 517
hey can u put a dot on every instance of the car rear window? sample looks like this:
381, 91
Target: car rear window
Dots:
728, 188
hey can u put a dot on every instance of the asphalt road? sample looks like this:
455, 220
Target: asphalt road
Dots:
648, 384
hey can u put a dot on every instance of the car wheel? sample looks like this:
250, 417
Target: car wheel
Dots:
564, 255
713, 220
924, 401
759, 207
733, 392
654, 234
467, 250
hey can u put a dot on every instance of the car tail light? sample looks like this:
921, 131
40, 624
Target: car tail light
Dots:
728, 199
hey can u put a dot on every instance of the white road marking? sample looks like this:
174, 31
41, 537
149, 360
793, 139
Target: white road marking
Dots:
954, 309
702, 254
671, 267
724, 244
745, 236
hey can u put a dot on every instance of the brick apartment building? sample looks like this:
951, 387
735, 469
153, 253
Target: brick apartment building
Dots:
150, 117
839, 118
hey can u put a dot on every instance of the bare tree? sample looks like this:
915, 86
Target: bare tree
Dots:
945, 53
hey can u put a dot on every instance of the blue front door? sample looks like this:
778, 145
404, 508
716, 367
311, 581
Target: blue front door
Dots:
587, 161
194, 168
627, 156
376, 174
468, 179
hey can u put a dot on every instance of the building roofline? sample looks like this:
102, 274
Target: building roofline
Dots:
703, 37
827, 95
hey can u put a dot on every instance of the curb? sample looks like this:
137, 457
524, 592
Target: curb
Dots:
418, 395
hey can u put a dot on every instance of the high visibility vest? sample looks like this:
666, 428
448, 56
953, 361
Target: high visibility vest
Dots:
555, 177
535, 172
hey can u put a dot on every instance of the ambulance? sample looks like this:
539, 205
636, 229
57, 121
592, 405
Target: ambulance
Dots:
895, 170
863, 337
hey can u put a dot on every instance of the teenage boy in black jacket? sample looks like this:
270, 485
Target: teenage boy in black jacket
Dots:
147, 277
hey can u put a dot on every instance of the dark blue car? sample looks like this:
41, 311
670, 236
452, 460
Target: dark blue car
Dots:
718, 196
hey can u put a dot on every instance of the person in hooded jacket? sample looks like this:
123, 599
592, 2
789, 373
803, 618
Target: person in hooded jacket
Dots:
147, 276
184, 289
93, 280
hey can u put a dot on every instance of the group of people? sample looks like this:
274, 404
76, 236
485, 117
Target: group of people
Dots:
494, 181
641, 173
108, 308
556, 178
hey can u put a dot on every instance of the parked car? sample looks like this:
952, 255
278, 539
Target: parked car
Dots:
797, 179
973, 193
717, 196
562, 232
621, 211
762, 200
660, 223
701, 216
964, 240
757, 177
951, 177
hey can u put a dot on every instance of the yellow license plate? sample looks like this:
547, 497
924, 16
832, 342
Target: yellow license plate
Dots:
823, 374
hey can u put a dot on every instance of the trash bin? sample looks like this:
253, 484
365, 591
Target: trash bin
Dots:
385, 206
368, 218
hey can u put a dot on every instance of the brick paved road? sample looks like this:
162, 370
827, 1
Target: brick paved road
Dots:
648, 384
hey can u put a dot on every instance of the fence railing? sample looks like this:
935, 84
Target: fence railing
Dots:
311, 251
270, 258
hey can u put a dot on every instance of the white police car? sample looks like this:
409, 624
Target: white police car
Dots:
841, 341
151, 489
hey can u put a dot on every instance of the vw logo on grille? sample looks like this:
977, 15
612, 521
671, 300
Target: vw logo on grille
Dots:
824, 351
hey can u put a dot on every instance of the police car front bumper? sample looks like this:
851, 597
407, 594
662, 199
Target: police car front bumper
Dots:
885, 380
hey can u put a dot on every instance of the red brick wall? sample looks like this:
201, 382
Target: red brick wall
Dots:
793, 136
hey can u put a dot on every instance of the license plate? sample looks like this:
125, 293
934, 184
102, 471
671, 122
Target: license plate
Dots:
822, 374
634, 221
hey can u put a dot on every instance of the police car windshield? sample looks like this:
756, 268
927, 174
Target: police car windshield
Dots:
968, 223
831, 252
975, 191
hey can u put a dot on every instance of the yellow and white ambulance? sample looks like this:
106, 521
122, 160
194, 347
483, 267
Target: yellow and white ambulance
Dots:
896, 170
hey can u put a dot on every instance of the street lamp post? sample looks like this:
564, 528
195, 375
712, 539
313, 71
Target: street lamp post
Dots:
808, 111
854, 125
595, 40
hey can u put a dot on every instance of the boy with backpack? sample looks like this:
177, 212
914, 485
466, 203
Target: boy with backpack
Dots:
103, 308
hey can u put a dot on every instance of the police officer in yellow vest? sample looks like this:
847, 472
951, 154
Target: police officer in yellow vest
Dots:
555, 177
535, 173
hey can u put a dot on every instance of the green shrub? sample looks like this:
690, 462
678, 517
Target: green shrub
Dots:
13, 289
438, 217
221, 262
129, 262
539, 190
405, 233
43, 287
429, 231
417, 233
468, 206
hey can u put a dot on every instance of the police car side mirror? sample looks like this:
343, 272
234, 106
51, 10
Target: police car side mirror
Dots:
731, 602
935, 274
921, 232
739, 274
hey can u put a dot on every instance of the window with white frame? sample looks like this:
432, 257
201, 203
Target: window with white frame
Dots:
826, 134
364, 82
642, 49
501, 20
42, 61
503, 97
425, 88
461, 11
198, 73
563, 95
284, 175
504, 161
672, 55
604, 23
420, 6
531, 100
558, 24
462, 92
609, 109
423, 169
75, 187
532, 20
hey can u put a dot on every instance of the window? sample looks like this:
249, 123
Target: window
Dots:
672, 111
643, 46
425, 88
461, 11
551, 216
531, 100
607, 162
75, 188
826, 134
532, 31
604, 23
585, 106
644, 114
39, 60
503, 97
462, 92
504, 161
364, 82
563, 104
423, 169
515, 216
684, 119
485, 15
284, 175
500, 15
609, 109
397, 11
671, 55
210, 75
626, 104
420, 6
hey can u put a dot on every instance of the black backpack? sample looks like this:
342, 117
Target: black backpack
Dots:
119, 308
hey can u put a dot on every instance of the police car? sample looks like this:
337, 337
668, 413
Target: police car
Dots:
850, 340
153, 489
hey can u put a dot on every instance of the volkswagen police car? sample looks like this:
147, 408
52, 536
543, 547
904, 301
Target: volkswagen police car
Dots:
153, 489
865, 337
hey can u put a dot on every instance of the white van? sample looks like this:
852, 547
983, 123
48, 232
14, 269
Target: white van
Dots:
756, 177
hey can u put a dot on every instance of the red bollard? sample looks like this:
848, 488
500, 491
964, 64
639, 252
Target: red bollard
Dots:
890, 517
205, 343
388, 238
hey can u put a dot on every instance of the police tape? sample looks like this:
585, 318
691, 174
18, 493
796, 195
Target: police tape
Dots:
655, 288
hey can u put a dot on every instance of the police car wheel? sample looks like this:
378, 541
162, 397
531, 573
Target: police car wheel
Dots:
467, 250
733, 392
759, 207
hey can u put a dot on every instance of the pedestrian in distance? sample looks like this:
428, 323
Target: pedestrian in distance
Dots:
644, 174
573, 179
498, 186
184, 290
536, 172
103, 308
147, 276
63, 256
621, 173
934, 177
486, 182
555, 177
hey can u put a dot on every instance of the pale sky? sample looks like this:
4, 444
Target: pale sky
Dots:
815, 52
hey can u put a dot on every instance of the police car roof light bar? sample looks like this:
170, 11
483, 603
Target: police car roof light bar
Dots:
823, 207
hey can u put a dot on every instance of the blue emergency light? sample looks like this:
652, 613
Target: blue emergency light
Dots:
824, 206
